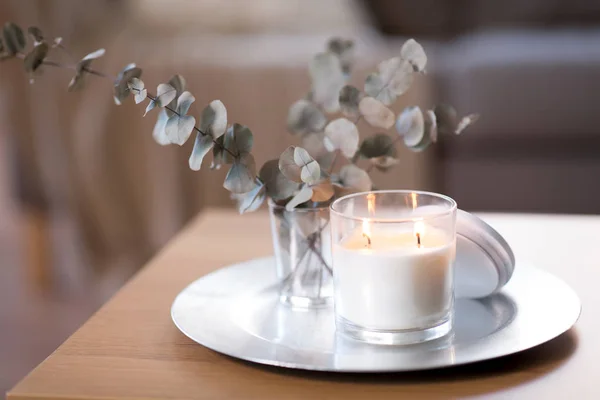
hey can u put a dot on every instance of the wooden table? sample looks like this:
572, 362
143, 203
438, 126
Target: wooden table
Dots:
131, 349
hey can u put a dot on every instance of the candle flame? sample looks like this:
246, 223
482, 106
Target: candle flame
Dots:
419, 230
366, 232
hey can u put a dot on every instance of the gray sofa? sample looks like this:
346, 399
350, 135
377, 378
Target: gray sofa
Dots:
532, 69
537, 146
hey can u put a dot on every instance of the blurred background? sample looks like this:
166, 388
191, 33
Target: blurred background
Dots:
87, 196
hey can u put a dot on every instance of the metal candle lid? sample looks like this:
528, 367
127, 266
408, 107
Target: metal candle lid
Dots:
484, 260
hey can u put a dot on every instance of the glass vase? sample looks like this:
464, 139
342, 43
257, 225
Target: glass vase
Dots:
302, 247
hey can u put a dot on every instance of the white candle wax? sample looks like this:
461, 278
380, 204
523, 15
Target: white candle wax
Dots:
393, 284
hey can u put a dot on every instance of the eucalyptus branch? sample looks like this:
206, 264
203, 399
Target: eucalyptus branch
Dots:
296, 177
56, 64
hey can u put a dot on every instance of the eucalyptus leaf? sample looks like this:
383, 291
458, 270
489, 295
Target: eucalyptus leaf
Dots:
394, 78
238, 140
376, 113
302, 196
413, 52
411, 126
355, 178
448, 122
165, 94
397, 74
350, 97
250, 201
327, 80
423, 144
77, 80
314, 144
35, 57
430, 130
151, 106
446, 118
179, 128
342, 134
288, 166
218, 152
241, 175
305, 117
278, 187
139, 96
297, 165
179, 83
310, 170
384, 163
36, 34
344, 50
202, 145
94, 56
374, 87
121, 88
322, 191
184, 102
466, 121
431, 125
159, 134
214, 119
139, 92
13, 38
378, 145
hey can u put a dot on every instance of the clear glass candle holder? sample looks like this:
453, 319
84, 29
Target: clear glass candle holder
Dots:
393, 259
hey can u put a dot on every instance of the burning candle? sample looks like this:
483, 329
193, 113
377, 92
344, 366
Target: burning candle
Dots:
393, 271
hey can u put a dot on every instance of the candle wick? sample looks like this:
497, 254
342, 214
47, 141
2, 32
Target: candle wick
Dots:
368, 239
418, 240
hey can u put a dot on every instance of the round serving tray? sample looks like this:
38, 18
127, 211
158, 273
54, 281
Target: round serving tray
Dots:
236, 311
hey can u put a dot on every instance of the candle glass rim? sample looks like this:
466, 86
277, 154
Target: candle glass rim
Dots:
450, 210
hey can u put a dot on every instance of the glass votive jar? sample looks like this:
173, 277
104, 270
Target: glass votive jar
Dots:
393, 258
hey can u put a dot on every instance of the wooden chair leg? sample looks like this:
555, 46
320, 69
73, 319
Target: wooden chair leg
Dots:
38, 248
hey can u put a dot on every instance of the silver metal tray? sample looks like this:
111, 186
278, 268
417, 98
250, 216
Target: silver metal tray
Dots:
236, 311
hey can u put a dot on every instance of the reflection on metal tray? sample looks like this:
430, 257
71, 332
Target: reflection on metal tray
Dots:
236, 311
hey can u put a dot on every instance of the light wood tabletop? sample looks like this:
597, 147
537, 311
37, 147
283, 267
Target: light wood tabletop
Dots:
131, 349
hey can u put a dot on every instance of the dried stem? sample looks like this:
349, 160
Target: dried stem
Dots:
98, 73
66, 51
56, 64
148, 95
